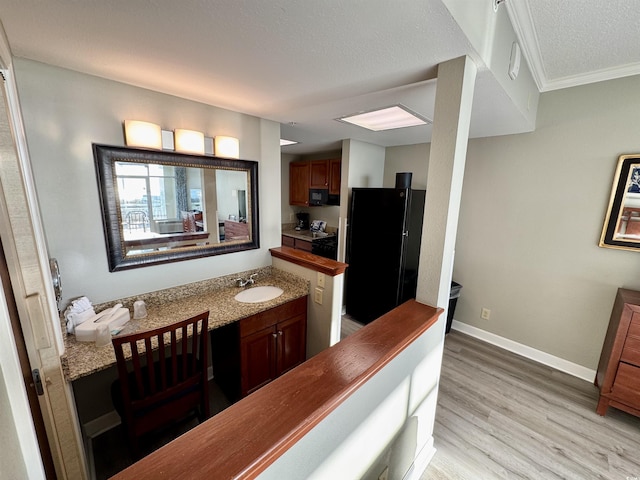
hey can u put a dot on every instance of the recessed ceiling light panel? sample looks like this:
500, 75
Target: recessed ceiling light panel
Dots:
284, 142
389, 118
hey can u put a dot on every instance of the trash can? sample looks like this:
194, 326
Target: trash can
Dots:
453, 299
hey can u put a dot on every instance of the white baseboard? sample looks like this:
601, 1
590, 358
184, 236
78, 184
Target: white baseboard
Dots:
526, 351
111, 419
99, 425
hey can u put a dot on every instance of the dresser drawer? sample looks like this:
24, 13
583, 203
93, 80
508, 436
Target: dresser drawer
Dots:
626, 387
631, 351
634, 327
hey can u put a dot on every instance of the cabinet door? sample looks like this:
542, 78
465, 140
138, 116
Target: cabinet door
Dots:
299, 183
334, 176
257, 352
303, 245
288, 241
292, 339
319, 175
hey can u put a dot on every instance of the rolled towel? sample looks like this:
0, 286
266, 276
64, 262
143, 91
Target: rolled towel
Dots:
80, 304
76, 318
78, 311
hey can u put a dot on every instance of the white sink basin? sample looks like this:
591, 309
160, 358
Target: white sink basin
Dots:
258, 294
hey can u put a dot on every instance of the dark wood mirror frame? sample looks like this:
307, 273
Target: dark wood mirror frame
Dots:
621, 228
106, 156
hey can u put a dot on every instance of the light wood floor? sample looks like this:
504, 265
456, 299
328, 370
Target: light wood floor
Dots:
499, 416
503, 416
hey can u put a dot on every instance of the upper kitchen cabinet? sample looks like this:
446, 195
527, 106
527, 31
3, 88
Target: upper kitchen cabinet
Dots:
317, 175
299, 183
334, 176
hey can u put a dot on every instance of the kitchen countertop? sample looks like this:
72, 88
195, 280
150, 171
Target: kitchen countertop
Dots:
306, 235
178, 303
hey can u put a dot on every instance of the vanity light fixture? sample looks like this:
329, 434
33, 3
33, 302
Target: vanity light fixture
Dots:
388, 118
188, 141
227, 147
142, 134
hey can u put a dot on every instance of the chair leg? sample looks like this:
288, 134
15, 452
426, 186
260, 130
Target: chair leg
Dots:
134, 444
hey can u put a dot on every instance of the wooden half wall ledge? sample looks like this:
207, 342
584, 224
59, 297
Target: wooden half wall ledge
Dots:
243, 440
309, 260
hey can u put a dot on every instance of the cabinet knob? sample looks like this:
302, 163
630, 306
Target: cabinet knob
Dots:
274, 335
279, 332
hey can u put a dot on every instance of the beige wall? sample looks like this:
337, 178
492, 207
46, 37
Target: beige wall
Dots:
64, 112
531, 216
409, 158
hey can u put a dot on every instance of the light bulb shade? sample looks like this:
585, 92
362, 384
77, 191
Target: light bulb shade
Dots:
228, 147
188, 141
142, 134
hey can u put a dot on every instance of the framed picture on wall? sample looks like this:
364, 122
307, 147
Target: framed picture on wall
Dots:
621, 227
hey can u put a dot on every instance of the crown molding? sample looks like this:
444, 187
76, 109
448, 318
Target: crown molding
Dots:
520, 17
591, 77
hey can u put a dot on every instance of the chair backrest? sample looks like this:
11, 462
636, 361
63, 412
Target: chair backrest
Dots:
137, 219
188, 221
167, 372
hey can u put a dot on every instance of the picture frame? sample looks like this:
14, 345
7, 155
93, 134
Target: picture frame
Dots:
621, 227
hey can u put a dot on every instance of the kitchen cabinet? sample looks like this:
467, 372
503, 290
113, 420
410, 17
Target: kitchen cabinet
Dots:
299, 184
250, 353
618, 375
319, 174
335, 165
305, 245
313, 174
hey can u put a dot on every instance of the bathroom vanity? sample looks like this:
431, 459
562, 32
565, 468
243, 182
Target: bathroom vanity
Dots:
171, 305
250, 353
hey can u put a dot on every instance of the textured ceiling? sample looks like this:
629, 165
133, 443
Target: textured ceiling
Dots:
571, 43
308, 62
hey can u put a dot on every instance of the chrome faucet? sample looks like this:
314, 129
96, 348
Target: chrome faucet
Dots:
249, 281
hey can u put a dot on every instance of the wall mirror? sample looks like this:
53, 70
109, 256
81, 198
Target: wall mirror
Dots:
622, 221
160, 206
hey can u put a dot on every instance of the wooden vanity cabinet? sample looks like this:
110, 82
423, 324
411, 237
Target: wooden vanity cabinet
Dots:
250, 353
618, 375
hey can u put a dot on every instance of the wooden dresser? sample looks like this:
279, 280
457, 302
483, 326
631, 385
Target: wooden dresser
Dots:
618, 375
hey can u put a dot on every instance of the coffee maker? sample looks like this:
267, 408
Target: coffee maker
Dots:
303, 221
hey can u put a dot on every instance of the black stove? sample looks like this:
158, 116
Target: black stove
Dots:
325, 247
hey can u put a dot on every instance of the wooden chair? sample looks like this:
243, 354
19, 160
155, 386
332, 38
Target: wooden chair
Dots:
136, 220
165, 379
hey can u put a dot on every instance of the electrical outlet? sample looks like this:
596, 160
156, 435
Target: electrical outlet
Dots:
320, 280
485, 314
384, 475
317, 297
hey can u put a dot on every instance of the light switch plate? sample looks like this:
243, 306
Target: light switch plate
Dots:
317, 297
320, 280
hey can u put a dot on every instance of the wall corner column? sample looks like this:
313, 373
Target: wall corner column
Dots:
452, 116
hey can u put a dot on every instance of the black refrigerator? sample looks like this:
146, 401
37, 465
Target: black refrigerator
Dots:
383, 250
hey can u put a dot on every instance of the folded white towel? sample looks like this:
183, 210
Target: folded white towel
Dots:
80, 310
75, 319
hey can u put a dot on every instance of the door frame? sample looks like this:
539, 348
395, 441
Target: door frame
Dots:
28, 264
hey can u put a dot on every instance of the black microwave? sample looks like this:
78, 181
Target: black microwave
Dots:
318, 196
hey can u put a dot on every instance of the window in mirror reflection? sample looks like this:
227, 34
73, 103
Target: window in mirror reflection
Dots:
159, 200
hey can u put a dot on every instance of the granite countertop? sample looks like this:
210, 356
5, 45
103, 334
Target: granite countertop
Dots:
178, 303
306, 234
